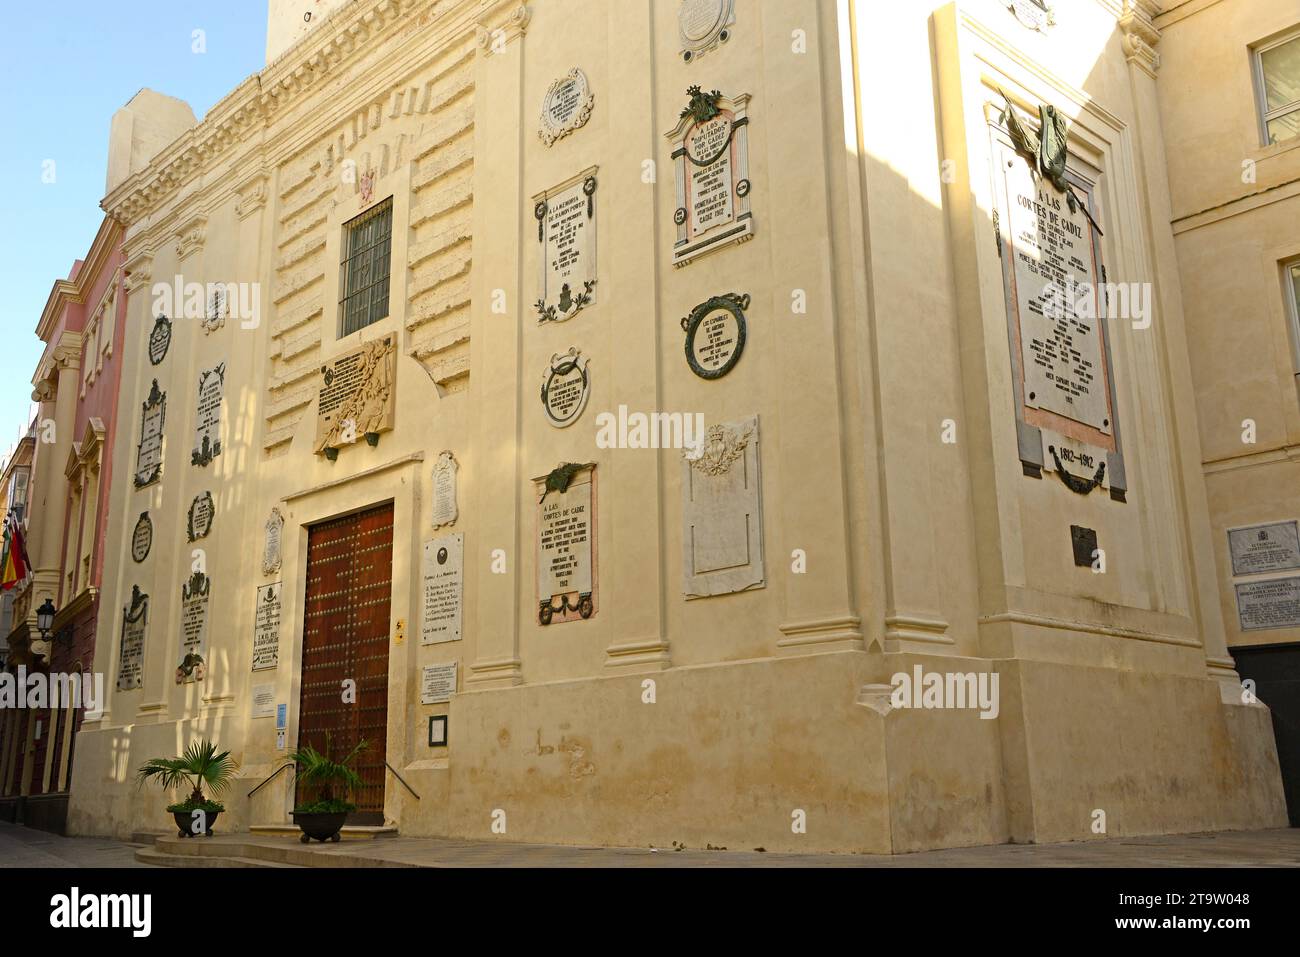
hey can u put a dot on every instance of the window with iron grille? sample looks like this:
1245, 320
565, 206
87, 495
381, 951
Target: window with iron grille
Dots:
364, 274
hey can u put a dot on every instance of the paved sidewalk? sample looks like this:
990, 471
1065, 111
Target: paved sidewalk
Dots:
20, 847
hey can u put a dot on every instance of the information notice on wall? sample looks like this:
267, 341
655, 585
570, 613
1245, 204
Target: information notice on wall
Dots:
1269, 604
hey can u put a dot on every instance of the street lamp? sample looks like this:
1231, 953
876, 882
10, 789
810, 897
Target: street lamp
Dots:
45, 619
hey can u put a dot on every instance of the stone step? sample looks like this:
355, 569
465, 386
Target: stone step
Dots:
349, 832
270, 850
149, 855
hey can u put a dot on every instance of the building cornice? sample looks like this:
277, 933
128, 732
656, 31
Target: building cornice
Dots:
75, 290
1141, 36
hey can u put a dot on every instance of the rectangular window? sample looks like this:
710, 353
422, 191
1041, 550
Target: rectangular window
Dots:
364, 274
1292, 278
1277, 80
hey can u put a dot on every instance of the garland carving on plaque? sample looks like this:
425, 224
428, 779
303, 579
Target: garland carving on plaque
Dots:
721, 447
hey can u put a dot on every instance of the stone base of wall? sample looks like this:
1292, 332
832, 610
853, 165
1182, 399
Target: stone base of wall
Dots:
734, 755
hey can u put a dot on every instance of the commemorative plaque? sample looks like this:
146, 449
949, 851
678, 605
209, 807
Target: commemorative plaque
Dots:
202, 511
160, 340
711, 161
148, 462
437, 683
194, 629
207, 427
566, 219
566, 535
1265, 548
722, 512
142, 538
130, 660
715, 335
271, 549
566, 106
566, 388
445, 507
703, 24
266, 628
358, 396
1269, 605
443, 580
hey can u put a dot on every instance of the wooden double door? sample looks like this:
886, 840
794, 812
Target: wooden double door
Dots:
345, 648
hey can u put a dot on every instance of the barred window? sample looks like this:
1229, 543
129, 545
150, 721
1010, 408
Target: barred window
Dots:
1277, 77
364, 274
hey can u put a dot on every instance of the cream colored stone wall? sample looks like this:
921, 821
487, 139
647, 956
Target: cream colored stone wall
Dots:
918, 551
1234, 219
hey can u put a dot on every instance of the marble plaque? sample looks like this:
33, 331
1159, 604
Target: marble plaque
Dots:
445, 475
160, 340
444, 581
207, 419
202, 512
703, 24
566, 388
711, 163
566, 536
263, 702
1035, 14
148, 461
266, 628
437, 683
722, 517
358, 395
1268, 605
130, 660
1265, 548
271, 549
566, 233
142, 538
194, 629
715, 335
566, 106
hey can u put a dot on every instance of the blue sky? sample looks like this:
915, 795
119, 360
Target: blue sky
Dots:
69, 65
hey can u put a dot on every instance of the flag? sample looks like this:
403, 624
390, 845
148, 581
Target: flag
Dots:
13, 563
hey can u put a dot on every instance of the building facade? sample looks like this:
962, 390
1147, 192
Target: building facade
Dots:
1232, 132
648, 422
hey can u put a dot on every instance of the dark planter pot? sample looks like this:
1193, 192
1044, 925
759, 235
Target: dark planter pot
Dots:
320, 827
187, 826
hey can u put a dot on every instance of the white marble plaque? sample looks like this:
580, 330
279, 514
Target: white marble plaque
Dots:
1056, 301
703, 24
148, 463
437, 683
566, 530
194, 629
271, 550
130, 661
263, 704
722, 520
1269, 605
566, 106
1265, 548
711, 163
566, 386
567, 235
443, 580
207, 421
446, 508
266, 628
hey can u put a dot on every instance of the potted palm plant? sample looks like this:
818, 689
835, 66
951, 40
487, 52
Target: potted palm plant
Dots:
200, 765
332, 781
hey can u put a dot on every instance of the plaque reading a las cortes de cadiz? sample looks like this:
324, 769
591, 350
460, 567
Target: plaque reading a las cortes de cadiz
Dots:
358, 396
715, 335
566, 544
445, 474
194, 628
722, 512
1256, 549
710, 152
130, 657
703, 25
266, 628
207, 422
1054, 283
566, 106
566, 386
566, 235
148, 461
142, 538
